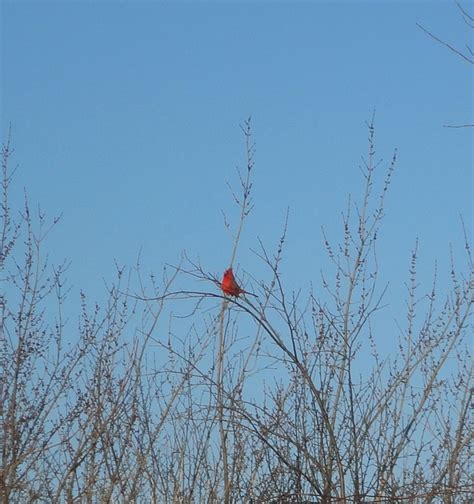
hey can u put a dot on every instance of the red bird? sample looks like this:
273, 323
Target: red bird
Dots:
230, 286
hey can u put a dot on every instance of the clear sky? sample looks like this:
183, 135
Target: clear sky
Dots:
125, 118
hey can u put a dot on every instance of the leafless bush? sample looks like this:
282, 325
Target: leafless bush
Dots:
179, 396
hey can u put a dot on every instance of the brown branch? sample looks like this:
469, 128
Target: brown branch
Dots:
459, 53
458, 125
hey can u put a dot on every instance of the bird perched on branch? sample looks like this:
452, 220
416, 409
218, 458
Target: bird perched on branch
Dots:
230, 286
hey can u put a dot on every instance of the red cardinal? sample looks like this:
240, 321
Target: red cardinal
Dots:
230, 286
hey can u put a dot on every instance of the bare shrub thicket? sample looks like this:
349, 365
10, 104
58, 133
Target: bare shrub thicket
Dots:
171, 395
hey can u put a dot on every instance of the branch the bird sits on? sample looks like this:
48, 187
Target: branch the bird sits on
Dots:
230, 286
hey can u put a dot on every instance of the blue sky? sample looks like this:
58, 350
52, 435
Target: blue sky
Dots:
126, 118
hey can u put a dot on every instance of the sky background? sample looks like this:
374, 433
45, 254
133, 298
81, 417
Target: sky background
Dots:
125, 119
